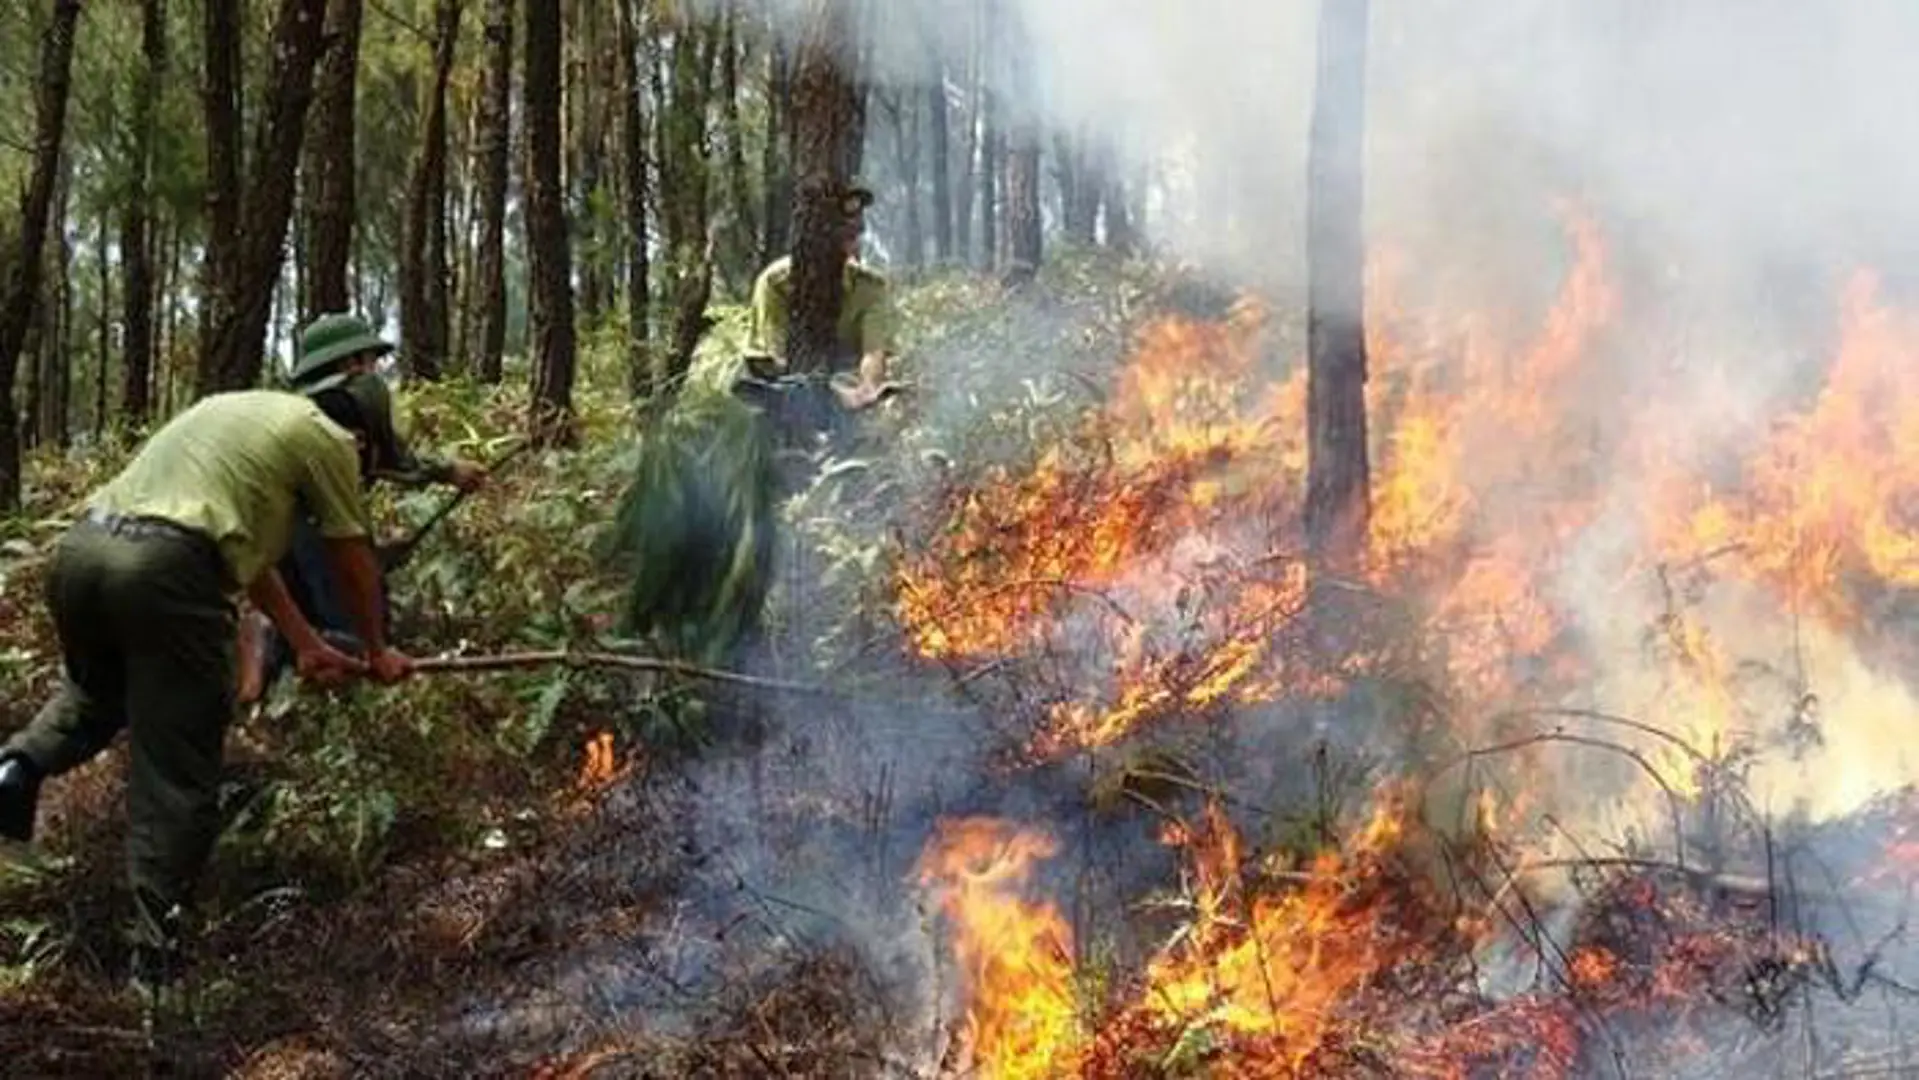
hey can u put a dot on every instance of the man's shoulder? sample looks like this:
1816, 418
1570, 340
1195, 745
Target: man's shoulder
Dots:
866, 273
777, 271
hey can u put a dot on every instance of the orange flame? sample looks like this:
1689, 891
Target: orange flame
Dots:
1015, 958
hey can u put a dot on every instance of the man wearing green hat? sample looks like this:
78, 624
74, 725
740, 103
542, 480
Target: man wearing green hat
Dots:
142, 591
867, 322
337, 368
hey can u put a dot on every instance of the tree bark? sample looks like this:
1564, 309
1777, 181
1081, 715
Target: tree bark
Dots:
246, 246
423, 269
489, 288
826, 112
639, 305
776, 168
1023, 229
136, 221
549, 257
1338, 485
743, 227
940, 138
22, 295
329, 206
103, 322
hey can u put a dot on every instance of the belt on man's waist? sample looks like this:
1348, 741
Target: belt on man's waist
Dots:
140, 526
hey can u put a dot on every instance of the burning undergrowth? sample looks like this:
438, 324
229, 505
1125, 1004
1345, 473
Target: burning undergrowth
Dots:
1643, 651
1583, 772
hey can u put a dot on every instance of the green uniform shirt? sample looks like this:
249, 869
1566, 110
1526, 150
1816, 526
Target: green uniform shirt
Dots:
866, 323
236, 466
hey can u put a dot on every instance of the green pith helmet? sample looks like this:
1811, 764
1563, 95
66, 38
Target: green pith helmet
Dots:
855, 197
326, 341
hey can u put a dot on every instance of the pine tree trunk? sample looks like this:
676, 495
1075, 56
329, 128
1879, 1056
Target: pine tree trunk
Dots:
329, 203
549, 251
1023, 236
940, 139
776, 168
1337, 481
22, 293
743, 229
246, 261
489, 287
103, 322
639, 303
423, 308
136, 222
826, 111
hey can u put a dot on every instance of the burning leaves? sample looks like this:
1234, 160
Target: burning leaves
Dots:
1546, 549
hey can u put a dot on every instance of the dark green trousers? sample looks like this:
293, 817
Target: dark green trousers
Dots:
146, 635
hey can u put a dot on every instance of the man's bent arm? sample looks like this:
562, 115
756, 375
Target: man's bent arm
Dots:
269, 593
359, 572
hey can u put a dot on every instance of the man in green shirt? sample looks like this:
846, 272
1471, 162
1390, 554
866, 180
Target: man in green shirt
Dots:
867, 322
142, 591
337, 368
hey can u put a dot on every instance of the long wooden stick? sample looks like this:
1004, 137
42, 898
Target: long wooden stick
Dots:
547, 657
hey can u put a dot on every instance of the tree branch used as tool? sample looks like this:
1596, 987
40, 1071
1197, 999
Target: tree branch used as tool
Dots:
547, 657
398, 554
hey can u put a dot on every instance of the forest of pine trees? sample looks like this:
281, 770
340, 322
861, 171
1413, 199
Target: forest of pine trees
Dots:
487, 178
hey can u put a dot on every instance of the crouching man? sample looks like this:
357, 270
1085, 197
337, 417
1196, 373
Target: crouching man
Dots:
142, 592
337, 368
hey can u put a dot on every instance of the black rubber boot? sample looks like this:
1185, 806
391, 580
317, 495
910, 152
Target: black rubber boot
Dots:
19, 797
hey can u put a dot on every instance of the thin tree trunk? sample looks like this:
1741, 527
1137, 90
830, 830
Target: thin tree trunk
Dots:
1023, 237
1338, 488
423, 271
776, 169
136, 222
329, 206
103, 318
941, 142
495, 160
743, 228
246, 261
826, 111
57, 345
550, 264
22, 294
639, 330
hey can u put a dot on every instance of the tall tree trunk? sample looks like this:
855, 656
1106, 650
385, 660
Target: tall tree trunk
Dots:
992, 138
56, 343
136, 220
776, 168
907, 138
941, 139
423, 270
584, 108
1338, 485
639, 305
22, 293
489, 288
743, 227
685, 186
550, 264
329, 209
1022, 246
246, 261
103, 320
826, 112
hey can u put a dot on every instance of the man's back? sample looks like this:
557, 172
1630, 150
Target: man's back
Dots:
234, 466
